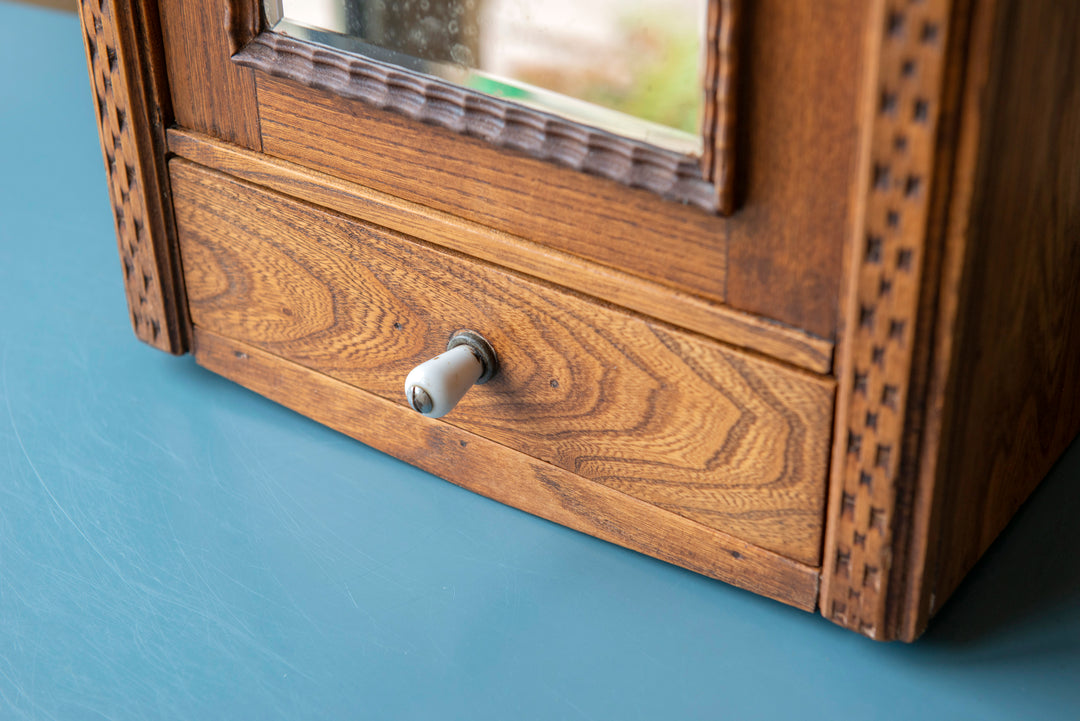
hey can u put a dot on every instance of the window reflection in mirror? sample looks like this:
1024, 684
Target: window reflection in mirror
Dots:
631, 67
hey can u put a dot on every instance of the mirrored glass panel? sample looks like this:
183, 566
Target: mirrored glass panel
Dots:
631, 67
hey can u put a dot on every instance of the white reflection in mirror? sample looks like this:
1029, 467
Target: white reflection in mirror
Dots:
632, 67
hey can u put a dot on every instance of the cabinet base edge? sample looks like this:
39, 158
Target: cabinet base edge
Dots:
508, 476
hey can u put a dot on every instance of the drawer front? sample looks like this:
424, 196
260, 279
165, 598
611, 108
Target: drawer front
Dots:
733, 441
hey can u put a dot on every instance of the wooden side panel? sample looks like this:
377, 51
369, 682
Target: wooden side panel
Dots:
485, 467
210, 93
1010, 403
681, 309
879, 406
124, 58
728, 440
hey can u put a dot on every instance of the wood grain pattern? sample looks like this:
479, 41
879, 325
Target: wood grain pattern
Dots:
728, 440
428, 99
209, 92
798, 86
864, 535
959, 321
652, 299
125, 74
557, 207
1008, 365
795, 130
507, 476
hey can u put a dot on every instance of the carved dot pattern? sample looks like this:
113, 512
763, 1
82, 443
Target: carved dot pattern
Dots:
857, 561
118, 144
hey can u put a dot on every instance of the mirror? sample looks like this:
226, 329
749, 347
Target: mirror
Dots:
630, 67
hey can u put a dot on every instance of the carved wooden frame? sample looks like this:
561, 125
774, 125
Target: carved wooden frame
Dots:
123, 55
706, 182
891, 281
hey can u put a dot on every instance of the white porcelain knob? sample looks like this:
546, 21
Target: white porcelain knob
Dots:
435, 386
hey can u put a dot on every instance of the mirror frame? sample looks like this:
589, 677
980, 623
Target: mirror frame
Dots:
705, 181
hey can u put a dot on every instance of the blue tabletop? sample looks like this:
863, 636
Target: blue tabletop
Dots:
174, 546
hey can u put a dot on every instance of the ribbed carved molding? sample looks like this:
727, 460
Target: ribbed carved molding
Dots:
541, 135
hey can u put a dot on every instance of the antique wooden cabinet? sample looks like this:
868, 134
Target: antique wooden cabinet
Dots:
825, 359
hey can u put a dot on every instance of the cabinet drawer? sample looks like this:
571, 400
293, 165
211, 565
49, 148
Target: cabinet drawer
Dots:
726, 439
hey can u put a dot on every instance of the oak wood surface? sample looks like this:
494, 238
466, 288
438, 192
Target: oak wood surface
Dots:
984, 367
546, 136
210, 93
1009, 400
799, 116
946, 265
681, 309
800, 100
881, 358
513, 478
727, 439
124, 57
723, 38
938, 140
594, 218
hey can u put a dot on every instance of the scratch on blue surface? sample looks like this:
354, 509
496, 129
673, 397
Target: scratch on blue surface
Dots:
305, 530
227, 620
45, 486
563, 700
152, 442
538, 623
35, 711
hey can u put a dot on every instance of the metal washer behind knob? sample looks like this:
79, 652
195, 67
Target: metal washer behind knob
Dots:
434, 387
480, 347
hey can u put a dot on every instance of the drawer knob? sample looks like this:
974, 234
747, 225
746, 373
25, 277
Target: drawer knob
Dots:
435, 386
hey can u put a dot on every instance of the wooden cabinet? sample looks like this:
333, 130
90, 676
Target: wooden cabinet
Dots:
825, 361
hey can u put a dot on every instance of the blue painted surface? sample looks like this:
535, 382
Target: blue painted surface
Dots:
174, 546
